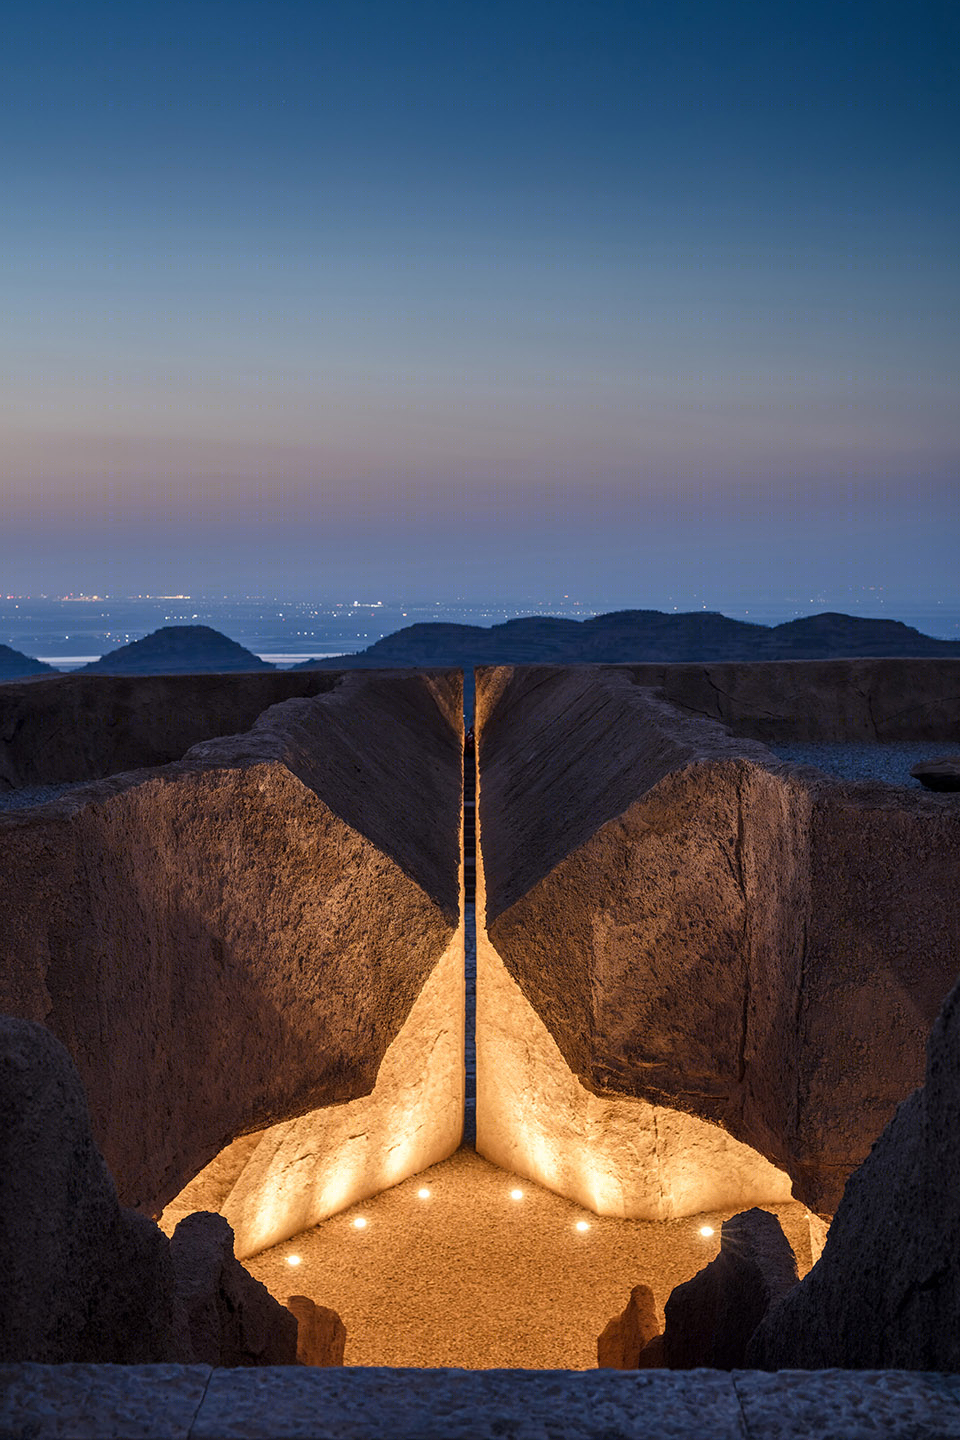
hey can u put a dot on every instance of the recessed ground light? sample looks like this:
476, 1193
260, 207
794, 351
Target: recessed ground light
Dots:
293, 1259
706, 1231
360, 1223
582, 1225
516, 1194
423, 1193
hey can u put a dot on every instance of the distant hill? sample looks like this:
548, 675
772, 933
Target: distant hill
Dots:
178, 650
16, 666
633, 636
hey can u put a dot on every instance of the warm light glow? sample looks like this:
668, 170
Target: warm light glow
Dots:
293, 1259
706, 1231
423, 1193
360, 1223
582, 1225
516, 1194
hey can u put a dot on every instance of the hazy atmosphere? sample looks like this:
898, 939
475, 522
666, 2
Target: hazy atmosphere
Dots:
630, 303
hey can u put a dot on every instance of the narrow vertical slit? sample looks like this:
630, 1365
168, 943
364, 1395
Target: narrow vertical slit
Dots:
470, 937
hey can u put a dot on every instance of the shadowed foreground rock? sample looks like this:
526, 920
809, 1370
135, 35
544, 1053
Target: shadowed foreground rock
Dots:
710, 1319
84, 1280
621, 1342
232, 1318
321, 1334
80, 1278
886, 1290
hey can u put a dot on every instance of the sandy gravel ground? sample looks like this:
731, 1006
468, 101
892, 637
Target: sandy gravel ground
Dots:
471, 1277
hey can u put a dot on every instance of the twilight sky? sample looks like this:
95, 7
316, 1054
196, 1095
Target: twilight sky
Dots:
641, 302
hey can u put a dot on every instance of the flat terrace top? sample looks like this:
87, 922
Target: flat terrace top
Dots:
171, 1402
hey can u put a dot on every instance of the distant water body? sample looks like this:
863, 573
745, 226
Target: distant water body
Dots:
283, 662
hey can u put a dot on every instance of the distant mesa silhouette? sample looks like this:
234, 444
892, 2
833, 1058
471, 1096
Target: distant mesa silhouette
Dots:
179, 650
629, 636
14, 665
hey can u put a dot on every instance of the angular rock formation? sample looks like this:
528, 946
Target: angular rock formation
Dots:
321, 1334
14, 665
710, 1319
232, 1319
886, 1291
622, 1340
236, 939
687, 950
82, 1280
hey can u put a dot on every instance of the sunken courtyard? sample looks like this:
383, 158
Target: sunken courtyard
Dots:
613, 1039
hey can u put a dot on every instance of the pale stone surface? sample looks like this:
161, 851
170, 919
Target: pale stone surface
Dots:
284, 1179
80, 1278
100, 1402
166, 1402
840, 1405
710, 1319
703, 928
321, 1334
886, 1290
232, 1319
622, 1339
244, 932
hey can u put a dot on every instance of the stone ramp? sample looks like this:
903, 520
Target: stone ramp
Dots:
169, 1402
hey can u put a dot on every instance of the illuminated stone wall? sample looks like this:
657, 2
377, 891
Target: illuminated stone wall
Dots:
684, 944
230, 942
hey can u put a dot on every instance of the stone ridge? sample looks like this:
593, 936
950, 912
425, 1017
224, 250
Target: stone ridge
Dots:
14, 665
241, 952
178, 649
180, 1402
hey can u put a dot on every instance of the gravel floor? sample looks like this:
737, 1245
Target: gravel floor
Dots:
470, 1277
31, 795
889, 762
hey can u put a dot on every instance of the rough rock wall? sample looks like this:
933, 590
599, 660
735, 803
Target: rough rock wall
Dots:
237, 938
84, 727
699, 927
886, 1290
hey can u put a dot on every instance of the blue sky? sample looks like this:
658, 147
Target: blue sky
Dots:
481, 299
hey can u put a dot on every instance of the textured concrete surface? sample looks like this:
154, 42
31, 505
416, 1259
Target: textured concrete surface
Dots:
179, 1403
702, 928
886, 1291
235, 939
709, 1320
469, 1276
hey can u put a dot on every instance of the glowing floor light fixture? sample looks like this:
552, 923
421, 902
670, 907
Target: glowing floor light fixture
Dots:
516, 1194
293, 1259
706, 1231
360, 1222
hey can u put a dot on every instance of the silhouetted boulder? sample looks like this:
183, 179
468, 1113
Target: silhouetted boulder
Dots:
178, 650
82, 1279
710, 1319
621, 1342
321, 1334
886, 1290
943, 774
232, 1319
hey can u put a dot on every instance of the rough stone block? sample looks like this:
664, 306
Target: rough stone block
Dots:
627, 1334
232, 1318
321, 1334
710, 1319
886, 1290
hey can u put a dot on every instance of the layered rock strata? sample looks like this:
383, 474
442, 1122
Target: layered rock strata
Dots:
701, 973
232, 941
